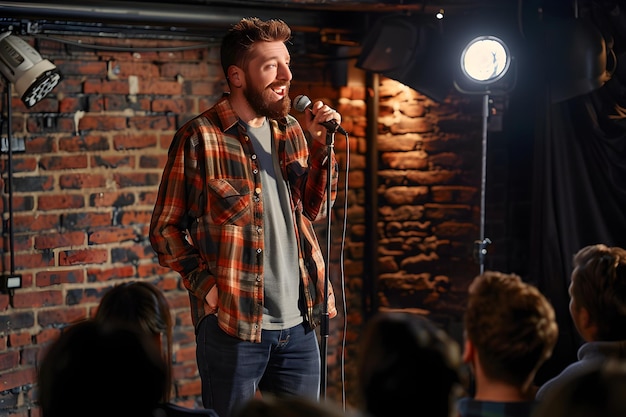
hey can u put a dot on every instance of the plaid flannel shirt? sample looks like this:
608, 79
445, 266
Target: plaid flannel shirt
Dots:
208, 216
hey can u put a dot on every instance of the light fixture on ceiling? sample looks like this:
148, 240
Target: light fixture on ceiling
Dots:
578, 58
34, 77
409, 50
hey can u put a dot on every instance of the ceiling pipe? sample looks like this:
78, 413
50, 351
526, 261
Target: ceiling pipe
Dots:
207, 16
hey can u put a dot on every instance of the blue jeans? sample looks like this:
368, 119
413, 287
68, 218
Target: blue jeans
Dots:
231, 370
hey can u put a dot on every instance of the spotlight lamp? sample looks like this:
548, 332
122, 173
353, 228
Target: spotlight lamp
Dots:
22, 65
485, 61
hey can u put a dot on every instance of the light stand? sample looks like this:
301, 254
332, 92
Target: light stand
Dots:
325, 319
484, 62
34, 77
10, 282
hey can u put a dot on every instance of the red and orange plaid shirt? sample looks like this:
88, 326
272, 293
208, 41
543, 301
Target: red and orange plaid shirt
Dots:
207, 222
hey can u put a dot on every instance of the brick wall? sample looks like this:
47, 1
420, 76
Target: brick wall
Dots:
84, 190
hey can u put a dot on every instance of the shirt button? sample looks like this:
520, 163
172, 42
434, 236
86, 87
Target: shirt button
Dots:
257, 190
247, 138
253, 156
258, 278
255, 171
259, 250
259, 230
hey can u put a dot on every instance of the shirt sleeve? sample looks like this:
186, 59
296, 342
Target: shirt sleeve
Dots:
178, 203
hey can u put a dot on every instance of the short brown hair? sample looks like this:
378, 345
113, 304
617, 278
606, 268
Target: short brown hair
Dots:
599, 285
241, 38
511, 324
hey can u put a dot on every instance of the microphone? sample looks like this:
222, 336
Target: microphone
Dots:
301, 103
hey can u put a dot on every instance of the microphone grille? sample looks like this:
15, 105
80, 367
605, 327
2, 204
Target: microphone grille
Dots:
301, 102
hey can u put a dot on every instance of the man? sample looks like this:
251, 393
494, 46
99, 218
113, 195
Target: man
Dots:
407, 362
510, 331
598, 309
234, 215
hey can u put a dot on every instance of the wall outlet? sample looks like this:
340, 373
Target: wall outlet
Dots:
17, 144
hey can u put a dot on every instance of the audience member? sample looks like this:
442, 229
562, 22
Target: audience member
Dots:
99, 370
143, 305
290, 406
510, 331
408, 364
597, 306
597, 389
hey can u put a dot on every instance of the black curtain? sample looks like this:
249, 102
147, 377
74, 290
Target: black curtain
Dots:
579, 197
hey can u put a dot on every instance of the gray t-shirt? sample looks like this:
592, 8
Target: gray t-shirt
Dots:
280, 259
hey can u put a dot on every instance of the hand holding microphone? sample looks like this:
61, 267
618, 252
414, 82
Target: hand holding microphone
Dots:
301, 103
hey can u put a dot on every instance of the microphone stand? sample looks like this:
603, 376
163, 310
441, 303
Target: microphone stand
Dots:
324, 325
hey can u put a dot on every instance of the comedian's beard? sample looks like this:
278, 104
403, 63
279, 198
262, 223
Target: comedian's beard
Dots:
261, 101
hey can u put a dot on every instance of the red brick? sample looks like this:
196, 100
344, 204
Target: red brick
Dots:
36, 222
61, 316
124, 142
112, 199
33, 260
123, 70
152, 161
112, 235
63, 162
47, 335
113, 161
18, 378
102, 123
9, 360
60, 201
107, 273
60, 276
37, 299
70, 105
173, 105
185, 354
82, 67
80, 181
20, 339
27, 164
84, 143
188, 388
134, 217
160, 123
137, 179
86, 220
83, 257
4, 304
151, 270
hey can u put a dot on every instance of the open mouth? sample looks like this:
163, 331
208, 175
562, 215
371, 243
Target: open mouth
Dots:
280, 91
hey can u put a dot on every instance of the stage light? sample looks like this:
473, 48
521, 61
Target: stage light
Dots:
485, 59
410, 51
34, 78
484, 63
578, 58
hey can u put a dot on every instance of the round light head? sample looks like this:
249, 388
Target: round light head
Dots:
485, 59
